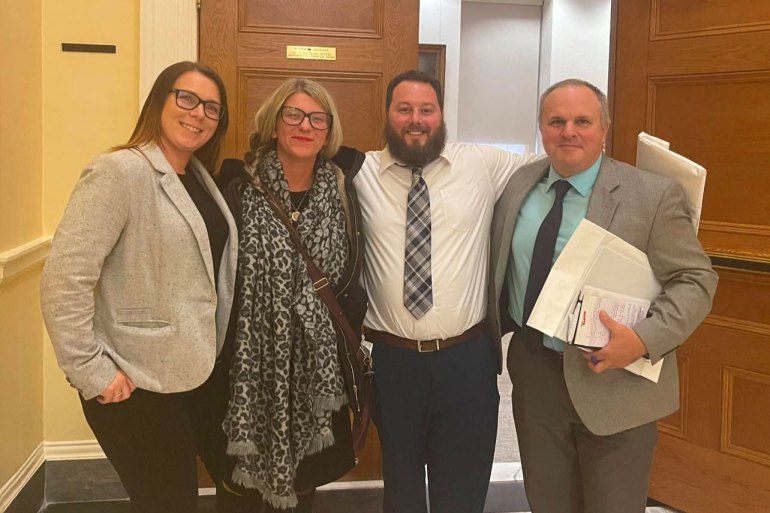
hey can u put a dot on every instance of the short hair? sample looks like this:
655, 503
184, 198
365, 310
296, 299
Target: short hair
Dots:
148, 126
261, 140
576, 82
414, 75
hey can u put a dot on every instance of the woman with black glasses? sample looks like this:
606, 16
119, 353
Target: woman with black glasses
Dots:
287, 424
137, 290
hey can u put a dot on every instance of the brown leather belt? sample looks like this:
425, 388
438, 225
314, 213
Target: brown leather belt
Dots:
423, 346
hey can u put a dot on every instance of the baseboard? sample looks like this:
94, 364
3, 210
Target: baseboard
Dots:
21, 478
73, 450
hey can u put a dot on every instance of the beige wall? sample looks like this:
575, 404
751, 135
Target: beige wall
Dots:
89, 104
21, 350
57, 111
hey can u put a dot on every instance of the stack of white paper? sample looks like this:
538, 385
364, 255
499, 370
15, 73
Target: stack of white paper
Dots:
597, 258
653, 155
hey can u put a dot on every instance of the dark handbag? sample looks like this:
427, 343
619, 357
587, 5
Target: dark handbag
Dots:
355, 360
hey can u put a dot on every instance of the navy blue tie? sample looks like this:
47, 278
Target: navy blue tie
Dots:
545, 245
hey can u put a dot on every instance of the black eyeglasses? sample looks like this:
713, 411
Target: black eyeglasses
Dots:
294, 116
188, 100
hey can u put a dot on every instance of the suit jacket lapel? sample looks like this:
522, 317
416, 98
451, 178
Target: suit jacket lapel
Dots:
604, 201
514, 194
178, 195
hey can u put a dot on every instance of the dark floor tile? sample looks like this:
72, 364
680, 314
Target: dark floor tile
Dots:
360, 500
82, 481
117, 506
31, 497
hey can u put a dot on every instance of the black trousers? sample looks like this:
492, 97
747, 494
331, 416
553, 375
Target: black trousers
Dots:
437, 409
152, 440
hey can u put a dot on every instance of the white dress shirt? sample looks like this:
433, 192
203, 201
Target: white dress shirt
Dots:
463, 183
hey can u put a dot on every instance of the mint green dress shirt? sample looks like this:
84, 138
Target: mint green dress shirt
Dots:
531, 215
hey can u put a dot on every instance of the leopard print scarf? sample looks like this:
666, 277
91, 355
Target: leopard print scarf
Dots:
285, 374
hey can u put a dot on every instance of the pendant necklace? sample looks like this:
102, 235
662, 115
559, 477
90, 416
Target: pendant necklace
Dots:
297, 208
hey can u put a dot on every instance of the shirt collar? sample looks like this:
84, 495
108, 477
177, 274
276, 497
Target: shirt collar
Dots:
387, 160
582, 182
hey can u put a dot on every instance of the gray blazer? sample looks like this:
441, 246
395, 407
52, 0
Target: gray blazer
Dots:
652, 213
129, 280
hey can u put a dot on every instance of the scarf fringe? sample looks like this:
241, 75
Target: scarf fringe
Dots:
277, 501
320, 442
241, 448
323, 404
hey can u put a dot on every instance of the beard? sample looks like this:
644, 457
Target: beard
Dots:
415, 155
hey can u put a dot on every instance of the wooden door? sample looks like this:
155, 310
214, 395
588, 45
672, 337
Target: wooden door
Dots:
247, 42
697, 73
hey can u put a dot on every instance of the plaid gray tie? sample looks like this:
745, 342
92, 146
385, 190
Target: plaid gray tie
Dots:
418, 284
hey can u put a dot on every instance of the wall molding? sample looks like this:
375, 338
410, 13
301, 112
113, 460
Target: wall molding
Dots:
168, 33
11, 489
17, 260
73, 450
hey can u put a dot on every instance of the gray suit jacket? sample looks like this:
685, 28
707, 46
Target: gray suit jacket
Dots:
653, 214
129, 280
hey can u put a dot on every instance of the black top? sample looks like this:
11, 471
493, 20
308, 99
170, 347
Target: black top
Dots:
216, 224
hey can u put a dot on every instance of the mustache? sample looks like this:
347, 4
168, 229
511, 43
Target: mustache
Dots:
415, 128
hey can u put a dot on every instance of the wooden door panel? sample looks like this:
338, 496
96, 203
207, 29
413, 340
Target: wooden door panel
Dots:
676, 423
745, 419
728, 53
246, 42
674, 17
304, 16
696, 73
678, 103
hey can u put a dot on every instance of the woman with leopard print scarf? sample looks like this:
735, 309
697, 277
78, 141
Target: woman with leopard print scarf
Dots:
286, 424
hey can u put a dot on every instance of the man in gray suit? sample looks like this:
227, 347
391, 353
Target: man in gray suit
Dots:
586, 427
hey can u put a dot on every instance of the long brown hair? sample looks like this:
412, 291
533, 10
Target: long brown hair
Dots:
148, 126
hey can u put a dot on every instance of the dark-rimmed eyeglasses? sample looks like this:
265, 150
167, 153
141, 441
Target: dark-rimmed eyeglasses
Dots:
294, 116
188, 100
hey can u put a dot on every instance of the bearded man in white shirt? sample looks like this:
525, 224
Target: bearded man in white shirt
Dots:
435, 363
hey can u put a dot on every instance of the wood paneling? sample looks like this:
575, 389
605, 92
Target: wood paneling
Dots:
679, 104
706, 95
676, 423
677, 18
352, 17
713, 453
746, 423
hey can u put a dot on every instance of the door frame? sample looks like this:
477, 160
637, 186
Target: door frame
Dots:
168, 33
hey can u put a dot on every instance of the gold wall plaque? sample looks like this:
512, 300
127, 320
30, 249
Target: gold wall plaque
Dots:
313, 53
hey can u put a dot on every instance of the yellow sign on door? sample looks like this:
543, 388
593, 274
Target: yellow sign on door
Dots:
313, 53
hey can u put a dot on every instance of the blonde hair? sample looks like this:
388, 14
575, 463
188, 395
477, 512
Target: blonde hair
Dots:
261, 140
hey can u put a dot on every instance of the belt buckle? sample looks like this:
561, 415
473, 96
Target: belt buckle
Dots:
421, 342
